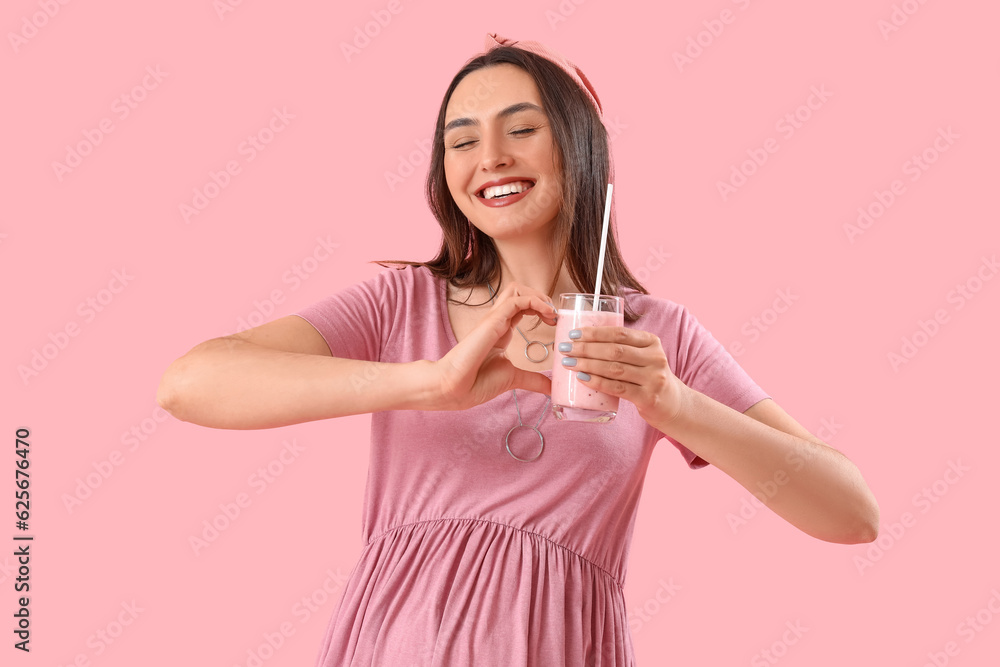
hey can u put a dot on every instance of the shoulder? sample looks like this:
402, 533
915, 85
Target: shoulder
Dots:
655, 311
403, 278
670, 321
383, 288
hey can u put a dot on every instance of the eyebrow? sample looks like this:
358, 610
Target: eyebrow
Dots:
509, 111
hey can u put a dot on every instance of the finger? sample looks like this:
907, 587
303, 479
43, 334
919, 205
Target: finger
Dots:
625, 354
621, 335
516, 290
495, 326
612, 387
634, 383
610, 370
616, 361
627, 346
515, 308
531, 381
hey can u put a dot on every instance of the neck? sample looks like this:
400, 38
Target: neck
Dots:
533, 264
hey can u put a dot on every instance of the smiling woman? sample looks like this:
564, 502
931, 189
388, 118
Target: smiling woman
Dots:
494, 536
483, 146
522, 113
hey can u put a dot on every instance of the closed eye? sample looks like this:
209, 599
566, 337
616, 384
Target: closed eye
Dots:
522, 132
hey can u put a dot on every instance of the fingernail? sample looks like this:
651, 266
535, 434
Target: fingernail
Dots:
575, 333
583, 376
568, 361
565, 347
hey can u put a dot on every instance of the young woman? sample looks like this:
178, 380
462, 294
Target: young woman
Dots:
473, 554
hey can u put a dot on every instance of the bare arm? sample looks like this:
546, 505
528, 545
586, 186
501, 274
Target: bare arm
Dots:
282, 373
810, 484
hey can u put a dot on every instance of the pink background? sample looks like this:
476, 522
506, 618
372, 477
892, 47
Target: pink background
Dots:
678, 132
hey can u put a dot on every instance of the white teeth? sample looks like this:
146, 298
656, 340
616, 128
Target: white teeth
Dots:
505, 189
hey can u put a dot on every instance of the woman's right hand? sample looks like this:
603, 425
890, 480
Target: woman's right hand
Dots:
477, 369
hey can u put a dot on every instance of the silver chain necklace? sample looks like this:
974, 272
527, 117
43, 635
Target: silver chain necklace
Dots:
520, 424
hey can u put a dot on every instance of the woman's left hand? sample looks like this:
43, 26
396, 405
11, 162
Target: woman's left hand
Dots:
630, 364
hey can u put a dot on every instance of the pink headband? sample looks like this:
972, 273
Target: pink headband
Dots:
493, 40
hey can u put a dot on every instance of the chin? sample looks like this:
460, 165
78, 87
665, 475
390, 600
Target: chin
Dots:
513, 229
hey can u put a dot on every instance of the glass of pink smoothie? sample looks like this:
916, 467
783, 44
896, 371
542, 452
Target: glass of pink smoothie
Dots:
571, 399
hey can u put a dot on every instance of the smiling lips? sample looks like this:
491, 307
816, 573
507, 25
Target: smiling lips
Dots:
504, 192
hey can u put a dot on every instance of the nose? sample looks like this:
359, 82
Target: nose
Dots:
495, 152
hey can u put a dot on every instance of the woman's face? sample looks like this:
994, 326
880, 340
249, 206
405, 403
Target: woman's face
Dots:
500, 160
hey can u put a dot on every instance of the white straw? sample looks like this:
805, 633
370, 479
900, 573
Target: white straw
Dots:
604, 243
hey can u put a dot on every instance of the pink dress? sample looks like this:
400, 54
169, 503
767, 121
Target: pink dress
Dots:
472, 557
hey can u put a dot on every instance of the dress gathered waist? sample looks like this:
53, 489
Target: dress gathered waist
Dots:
388, 532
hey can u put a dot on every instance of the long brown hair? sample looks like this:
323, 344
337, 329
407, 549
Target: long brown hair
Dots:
468, 257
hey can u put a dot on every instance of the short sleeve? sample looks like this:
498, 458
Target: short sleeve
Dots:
357, 321
704, 364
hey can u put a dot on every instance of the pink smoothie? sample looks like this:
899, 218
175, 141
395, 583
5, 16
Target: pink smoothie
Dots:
567, 391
